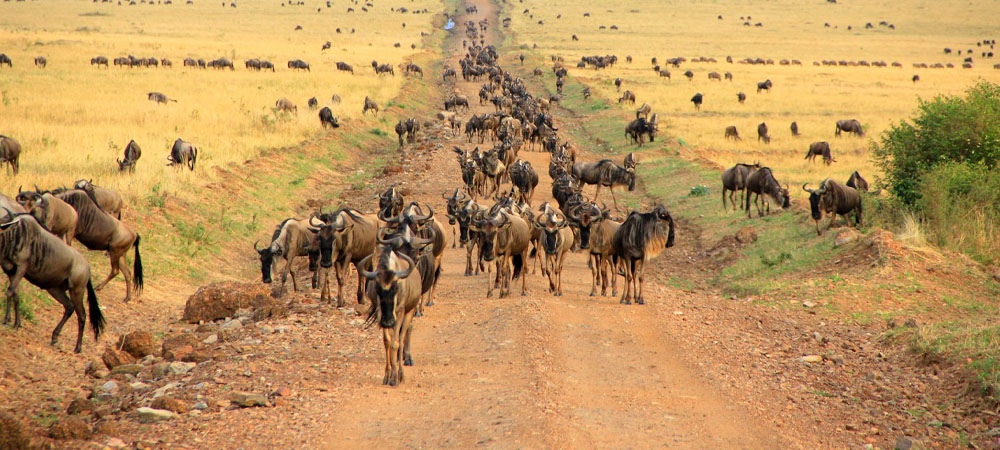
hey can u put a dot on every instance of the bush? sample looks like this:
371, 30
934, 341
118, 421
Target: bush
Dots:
960, 203
946, 129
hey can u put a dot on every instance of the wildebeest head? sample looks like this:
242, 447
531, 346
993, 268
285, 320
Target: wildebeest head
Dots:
816, 199
27, 199
454, 200
550, 224
662, 214
266, 261
464, 215
390, 202
583, 216
489, 227
386, 277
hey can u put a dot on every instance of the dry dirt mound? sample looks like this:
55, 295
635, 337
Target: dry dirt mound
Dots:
218, 301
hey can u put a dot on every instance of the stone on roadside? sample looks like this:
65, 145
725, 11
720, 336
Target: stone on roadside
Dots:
178, 346
113, 357
746, 235
845, 236
170, 404
211, 339
138, 343
150, 415
221, 300
69, 428
812, 359
180, 368
160, 370
115, 443
908, 443
247, 399
79, 406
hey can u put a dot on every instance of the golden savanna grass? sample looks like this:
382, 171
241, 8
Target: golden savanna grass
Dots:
73, 119
815, 97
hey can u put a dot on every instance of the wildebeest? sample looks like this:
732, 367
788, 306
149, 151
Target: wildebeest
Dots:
857, 182
618, 84
313, 103
627, 97
345, 67
602, 230
850, 126
370, 105
555, 238
636, 129
795, 129
835, 199
10, 153
643, 111
741, 97
409, 128
182, 153
504, 238
697, 99
764, 86
762, 183
326, 118
159, 98
735, 179
689, 74
29, 252
423, 226
284, 104
298, 64
99, 230
40, 61
289, 240
132, 154
55, 215
456, 101
108, 200
762, 133
640, 238
729, 76
394, 291
820, 149
99, 60
714, 76
731, 133
354, 239
4, 59
916, 78
326, 45
524, 178
604, 173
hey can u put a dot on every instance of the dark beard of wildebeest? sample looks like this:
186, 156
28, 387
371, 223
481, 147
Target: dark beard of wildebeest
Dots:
735, 179
289, 240
850, 126
108, 200
182, 154
640, 238
835, 199
132, 154
582, 217
394, 295
28, 251
423, 226
452, 203
604, 173
857, 182
98, 230
760, 183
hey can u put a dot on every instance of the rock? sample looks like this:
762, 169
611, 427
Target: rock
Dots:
170, 404
845, 236
234, 324
110, 387
247, 399
208, 327
176, 347
113, 357
220, 300
101, 412
150, 415
197, 356
93, 367
116, 443
229, 334
908, 443
12, 433
130, 369
812, 359
139, 386
283, 392
200, 406
70, 428
138, 343
746, 235
160, 370
808, 304
211, 339
180, 368
79, 406
161, 391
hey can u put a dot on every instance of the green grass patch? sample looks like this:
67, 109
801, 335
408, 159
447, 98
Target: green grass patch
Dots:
973, 343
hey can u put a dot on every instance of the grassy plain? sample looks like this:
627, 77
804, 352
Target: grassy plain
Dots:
815, 97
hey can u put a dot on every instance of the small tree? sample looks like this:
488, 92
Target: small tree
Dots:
945, 129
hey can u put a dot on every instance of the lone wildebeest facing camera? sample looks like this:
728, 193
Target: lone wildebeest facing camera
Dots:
183, 153
642, 237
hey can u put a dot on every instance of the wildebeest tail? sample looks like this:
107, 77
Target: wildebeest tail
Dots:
137, 267
534, 251
96, 317
518, 265
194, 157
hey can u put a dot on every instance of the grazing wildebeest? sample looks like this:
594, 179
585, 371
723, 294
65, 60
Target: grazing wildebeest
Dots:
4, 59
345, 67
639, 127
159, 98
289, 240
370, 105
524, 178
729, 76
132, 154
762, 133
627, 97
284, 104
857, 182
10, 153
449, 72
764, 86
640, 238
689, 74
166, 63
55, 215
795, 129
40, 61
326, 118
604, 173
643, 111
108, 200
820, 149
761, 183
182, 153
394, 290
697, 99
555, 238
850, 126
98, 230
99, 60
27, 251
741, 97
714, 76
298, 64
735, 179
731, 133
313, 103
835, 199
916, 78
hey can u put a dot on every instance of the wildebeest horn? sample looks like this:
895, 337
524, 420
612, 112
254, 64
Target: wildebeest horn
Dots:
18, 189
574, 212
405, 273
382, 216
428, 216
365, 273
395, 242
313, 216
255, 245
804, 188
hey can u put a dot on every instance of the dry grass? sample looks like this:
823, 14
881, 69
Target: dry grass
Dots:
815, 97
72, 119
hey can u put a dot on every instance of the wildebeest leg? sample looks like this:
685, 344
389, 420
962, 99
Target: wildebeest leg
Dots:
626, 293
68, 310
597, 192
112, 274
613, 199
468, 259
123, 266
559, 275
489, 282
389, 356
640, 269
595, 274
407, 331
13, 301
613, 275
724, 199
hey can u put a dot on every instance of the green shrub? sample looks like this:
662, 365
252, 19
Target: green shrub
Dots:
960, 203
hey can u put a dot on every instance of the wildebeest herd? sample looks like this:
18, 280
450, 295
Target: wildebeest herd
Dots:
397, 250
